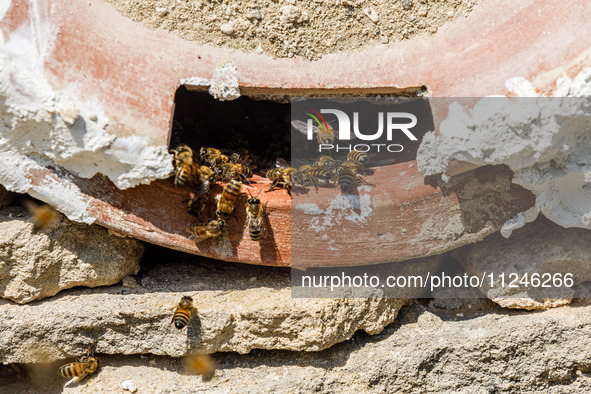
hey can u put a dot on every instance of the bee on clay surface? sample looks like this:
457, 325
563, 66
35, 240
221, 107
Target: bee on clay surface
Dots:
44, 216
240, 171
281, 175
244, 156
183, 312
227, 201
326, 162
254, 214
184, 165
80, 369
212, 229
212, 156
360, 159
201, 364
347, 175
205, 180
308, 175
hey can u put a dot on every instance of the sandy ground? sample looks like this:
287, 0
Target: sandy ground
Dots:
288, 28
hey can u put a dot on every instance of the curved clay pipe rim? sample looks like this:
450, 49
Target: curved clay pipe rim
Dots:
133, 72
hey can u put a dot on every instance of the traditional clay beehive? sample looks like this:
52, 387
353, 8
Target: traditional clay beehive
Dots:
135, 73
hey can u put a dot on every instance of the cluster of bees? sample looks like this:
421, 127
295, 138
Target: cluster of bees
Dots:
235, 168
203, 172
323, 172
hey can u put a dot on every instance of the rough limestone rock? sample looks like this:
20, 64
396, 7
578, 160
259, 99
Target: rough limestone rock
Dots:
37, 265
487, 350
239, 308
539, 247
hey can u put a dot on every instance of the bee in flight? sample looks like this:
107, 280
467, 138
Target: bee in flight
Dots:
254, 214
201, 364
85, 365
183, 312
227, 201
184, 165
44, 216
281, 176
325, 133
212, 229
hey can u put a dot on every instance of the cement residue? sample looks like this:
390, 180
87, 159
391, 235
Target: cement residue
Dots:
545, 141
288, 28
44, 127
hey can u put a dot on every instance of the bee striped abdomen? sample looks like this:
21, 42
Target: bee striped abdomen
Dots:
229, 196
181, 318
358, 157
232, 190
255, 229
273, 173
183, 162
71, 370
346, 180
347, 175
183, 175
183, 312
246, 171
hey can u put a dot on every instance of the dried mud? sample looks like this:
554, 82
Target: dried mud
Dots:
288, 28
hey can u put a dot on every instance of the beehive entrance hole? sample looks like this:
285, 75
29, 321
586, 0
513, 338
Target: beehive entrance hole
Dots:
262, 124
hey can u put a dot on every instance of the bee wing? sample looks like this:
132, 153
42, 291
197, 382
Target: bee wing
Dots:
281, 163
302, 126
247, 163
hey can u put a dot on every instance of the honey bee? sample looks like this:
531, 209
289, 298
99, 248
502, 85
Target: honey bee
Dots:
183, 312
185, 168
327, 163
44, 216
84, 366
197, 202
240, 171
212, 156
347, 175
254, 213
325, 134
228, 199
201, 364
282, 175
360, 159
212, 229
308, 175
244, 156
206, 177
